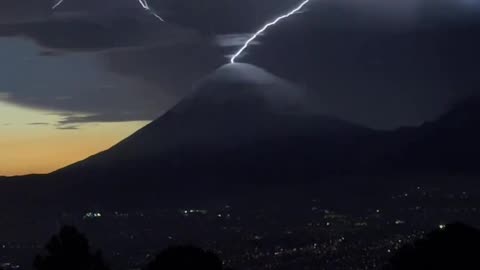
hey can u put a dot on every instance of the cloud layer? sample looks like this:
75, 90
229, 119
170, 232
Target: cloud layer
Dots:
383, 63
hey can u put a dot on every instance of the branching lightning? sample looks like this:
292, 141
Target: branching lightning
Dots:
265, 28
146, 6
143, 3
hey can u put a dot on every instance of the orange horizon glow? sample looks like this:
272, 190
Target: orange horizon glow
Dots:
31, 143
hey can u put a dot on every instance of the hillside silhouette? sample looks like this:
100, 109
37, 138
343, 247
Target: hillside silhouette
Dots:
454, 246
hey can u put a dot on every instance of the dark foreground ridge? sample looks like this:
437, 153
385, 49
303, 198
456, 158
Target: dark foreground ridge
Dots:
449, 247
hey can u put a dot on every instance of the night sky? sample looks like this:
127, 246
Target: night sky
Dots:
78, 79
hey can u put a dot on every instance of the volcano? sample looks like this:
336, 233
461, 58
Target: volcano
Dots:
241, 128
245, 133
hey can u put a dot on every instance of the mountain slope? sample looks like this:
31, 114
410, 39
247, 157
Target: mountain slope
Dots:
240, 128
448, 144
246, 133
236, 106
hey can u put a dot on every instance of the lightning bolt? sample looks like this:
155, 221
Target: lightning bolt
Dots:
265, 28
146, 6
57, 4
143, 3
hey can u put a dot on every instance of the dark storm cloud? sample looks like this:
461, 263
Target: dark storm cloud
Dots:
380, 70
380, 62
23, 10
173, 69
157, 61
90, 25
79, 34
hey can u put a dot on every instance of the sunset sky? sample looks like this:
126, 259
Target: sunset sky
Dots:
30, 143
41, 108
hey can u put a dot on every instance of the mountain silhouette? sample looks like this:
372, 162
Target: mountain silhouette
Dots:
243, 132
240, 129
447, 145
236, 105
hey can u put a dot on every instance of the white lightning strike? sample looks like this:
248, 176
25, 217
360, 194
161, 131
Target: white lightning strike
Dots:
143, 3
265, 28
146, 6
57, 4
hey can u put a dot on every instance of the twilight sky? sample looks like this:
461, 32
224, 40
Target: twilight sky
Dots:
77, 80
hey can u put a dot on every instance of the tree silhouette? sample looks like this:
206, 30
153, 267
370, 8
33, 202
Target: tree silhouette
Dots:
185, 258
451, 247
69, 250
